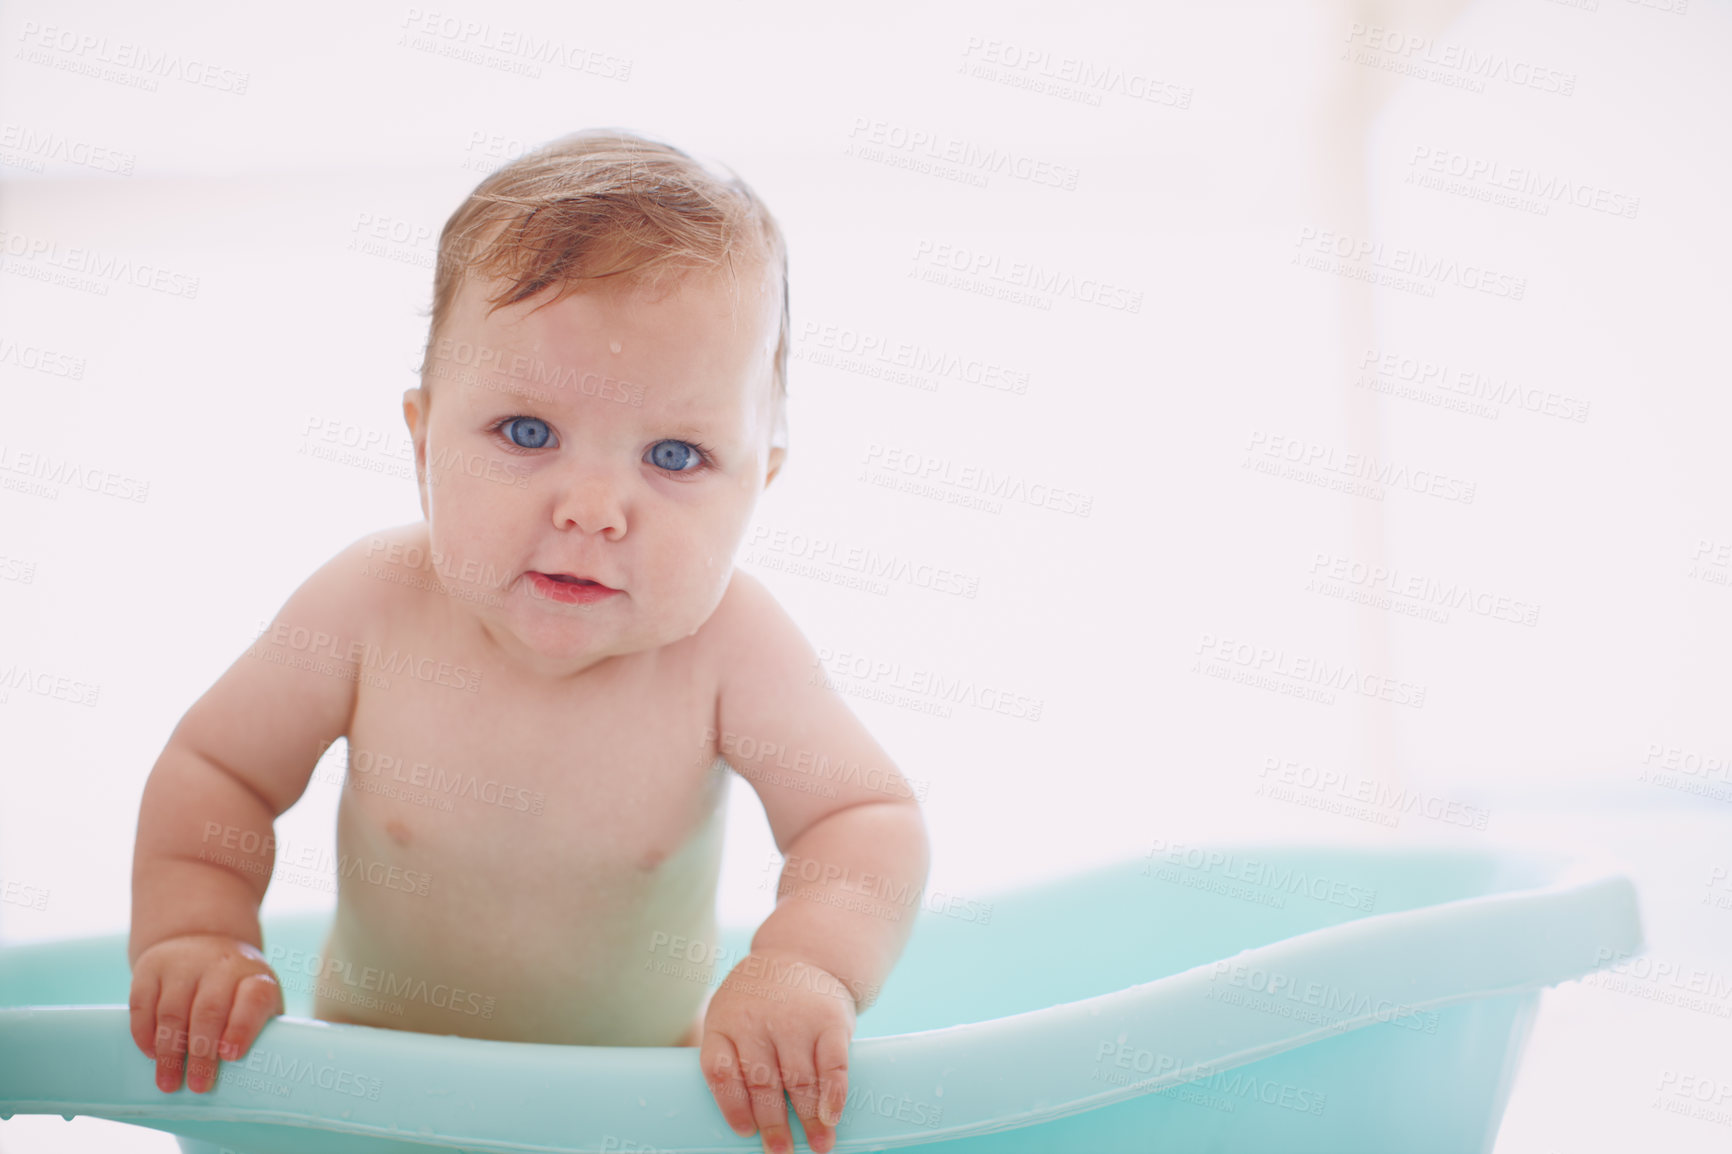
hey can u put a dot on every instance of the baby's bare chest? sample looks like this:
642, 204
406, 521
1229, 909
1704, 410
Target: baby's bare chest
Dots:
479, 782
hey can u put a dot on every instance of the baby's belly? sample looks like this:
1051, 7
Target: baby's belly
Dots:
516, 927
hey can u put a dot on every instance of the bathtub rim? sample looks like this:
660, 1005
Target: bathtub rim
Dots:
1581, 887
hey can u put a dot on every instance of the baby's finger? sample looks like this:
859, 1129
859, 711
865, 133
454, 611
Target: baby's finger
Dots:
258, 999
210, 1015
141, 1008
764, 1086
800, 1079
832, 1063
721, 1067
173, 1007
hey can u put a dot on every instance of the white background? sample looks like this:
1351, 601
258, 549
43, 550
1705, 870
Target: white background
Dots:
1276, 132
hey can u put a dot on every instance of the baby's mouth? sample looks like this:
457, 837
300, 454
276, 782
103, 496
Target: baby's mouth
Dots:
572, 579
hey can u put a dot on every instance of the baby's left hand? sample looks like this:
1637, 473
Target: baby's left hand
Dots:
778, 1022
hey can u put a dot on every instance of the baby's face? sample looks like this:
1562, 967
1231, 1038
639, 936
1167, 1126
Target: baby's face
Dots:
633, 457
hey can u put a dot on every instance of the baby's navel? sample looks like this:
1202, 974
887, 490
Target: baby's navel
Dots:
399, 832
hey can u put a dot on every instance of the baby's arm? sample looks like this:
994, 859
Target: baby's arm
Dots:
856, 859
241, 755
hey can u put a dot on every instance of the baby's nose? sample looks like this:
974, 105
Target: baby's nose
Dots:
590, 503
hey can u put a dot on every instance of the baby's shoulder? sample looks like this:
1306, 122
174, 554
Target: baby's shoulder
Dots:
369, 579
744, 606
749, 627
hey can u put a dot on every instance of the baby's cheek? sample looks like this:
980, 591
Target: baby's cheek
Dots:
687, 589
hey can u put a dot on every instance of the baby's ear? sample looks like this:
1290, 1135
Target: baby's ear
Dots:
415, 408
415, 415
778, 454
778, 441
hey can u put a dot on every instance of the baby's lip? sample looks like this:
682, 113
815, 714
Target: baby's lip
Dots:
576, 578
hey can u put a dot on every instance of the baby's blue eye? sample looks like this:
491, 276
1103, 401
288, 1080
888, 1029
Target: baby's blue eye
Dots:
673, 456
534, 436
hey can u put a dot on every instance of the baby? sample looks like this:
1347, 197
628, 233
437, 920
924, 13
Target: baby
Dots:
545, 683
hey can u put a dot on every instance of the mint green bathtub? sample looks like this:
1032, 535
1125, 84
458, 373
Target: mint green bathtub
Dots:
1223, 998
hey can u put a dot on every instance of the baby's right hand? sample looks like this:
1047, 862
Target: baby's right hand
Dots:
207, 992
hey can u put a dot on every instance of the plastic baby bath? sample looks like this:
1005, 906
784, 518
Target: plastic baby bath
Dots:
1247, 998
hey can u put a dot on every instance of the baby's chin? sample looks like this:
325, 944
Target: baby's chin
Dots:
621, 624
